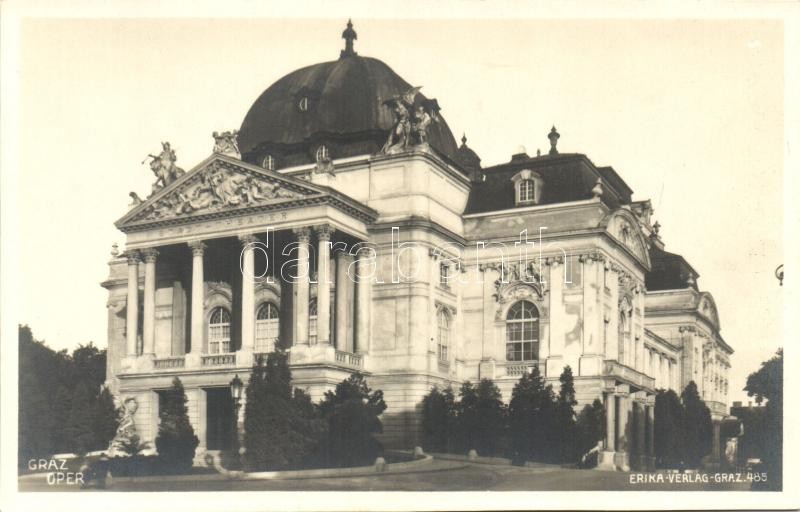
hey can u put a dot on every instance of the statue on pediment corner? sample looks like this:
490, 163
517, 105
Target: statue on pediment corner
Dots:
164, 168
135, 199
226, 143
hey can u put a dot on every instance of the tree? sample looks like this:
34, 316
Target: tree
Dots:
281, 429
531, 414
176, 441
438, 419
668, 423
352, 412
80, 425
50, 421
590, 428
481, 418
696, 428
565, 416
37, 387
767, 383
104, 420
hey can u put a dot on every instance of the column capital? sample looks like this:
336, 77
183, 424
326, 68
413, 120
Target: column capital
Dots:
150, 255
247, 239
365, 252
303, 234
133, 256
324, 231
197, 247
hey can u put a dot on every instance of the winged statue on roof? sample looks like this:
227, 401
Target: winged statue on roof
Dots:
413, 113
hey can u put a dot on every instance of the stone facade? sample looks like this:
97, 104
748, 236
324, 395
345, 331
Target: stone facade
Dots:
394, 272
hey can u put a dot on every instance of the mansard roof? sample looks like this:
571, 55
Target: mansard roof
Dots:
669, 271
566, 177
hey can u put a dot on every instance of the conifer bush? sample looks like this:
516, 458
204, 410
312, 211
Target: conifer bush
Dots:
439, 420
532, 414
697, 433
282, 429
176, 441
352, 413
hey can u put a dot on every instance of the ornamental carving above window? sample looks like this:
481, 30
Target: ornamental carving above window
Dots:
528, 272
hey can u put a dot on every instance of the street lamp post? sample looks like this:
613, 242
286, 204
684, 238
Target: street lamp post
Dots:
779, 273
236, 393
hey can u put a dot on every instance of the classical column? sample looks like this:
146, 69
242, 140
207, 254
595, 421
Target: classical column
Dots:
363, 288
324, 233
248, 293
605, 460
198, 298
651, 442
301, 287
624, 431
149, 327
611, 438
342, 284
132, 326
639, 417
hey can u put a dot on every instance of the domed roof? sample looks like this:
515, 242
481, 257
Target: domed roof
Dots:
342, 100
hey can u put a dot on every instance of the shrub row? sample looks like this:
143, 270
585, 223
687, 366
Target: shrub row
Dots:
536, 425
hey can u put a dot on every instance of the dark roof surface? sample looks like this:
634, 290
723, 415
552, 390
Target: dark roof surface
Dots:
669, 271
345, 97
566, 177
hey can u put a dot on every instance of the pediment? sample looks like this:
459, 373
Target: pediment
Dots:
624, 228
708, 308
219, 185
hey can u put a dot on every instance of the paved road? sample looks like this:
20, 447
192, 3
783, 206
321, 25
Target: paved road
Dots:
448, 476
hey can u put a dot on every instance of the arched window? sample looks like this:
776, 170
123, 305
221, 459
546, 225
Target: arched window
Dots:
312, 321
443, 337
322, 153
219, 331
267, 327
522, 332
268, 162
528, 187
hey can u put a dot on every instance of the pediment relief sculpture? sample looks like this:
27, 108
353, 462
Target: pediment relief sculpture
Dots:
707, 309
216, 188
628, 234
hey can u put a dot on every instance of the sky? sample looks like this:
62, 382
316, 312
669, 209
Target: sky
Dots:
689, 113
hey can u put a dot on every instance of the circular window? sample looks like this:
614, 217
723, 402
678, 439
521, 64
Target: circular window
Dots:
268, 163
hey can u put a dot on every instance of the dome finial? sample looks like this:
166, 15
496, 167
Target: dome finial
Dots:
349, 35
463, 138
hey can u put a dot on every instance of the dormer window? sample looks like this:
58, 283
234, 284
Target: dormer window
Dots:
322, 154
302, 104
526, 191
268, 163
528, 187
